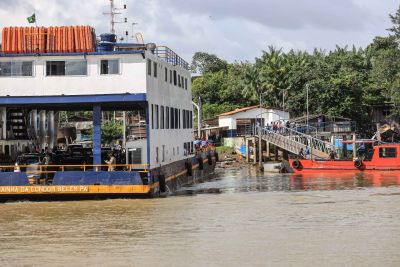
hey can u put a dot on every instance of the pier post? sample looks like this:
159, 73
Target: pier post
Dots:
276, 153
42, 129
247, 150
51, 128
268, 154
260, 151
255, 150
354, 147
97, 134
3, 120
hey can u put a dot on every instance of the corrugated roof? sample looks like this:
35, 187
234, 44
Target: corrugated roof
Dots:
238, 110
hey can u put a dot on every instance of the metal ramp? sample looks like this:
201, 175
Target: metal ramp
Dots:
292, 141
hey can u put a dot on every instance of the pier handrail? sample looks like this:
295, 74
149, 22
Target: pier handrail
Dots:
85, 167
300, 138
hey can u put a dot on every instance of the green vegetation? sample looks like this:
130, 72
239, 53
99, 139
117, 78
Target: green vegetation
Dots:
343, 82
224, 150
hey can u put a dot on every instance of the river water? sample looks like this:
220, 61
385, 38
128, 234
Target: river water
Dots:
240, 218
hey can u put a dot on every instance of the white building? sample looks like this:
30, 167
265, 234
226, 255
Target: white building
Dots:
242, 118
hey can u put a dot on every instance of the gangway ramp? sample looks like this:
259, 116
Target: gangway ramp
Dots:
292, 141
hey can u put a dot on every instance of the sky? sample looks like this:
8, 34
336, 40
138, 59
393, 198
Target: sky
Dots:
235, 30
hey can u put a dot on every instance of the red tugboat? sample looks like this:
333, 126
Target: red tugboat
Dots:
382, 157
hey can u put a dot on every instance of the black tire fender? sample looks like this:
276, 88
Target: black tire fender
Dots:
358, 163
296, 164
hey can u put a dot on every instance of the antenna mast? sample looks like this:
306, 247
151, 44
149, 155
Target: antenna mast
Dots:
112, 13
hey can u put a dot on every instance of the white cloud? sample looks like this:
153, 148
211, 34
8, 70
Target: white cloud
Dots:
234, 29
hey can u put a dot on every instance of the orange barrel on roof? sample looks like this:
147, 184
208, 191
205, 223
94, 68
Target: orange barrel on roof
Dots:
17, 40
40, 39
82, 38
48, 40
12, 40
75, 38
4, 37
58, 40
64, 39
35, 46
71, 39
88, 41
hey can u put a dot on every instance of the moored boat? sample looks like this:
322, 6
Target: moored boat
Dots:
382, 157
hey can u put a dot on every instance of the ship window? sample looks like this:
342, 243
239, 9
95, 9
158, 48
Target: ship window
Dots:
5, 69
175, 81
179, 118
157, 160
167, 118
387, 152
155, 69
152, 116
186, 83
162, 117
176, 118
172, 118
55, 68
166, 74
17, 68
149, 67
157, 118
179, 80
183, 82
76, 67
170, 76
109, 66
187, 119
191, 120
163, 153
183, 119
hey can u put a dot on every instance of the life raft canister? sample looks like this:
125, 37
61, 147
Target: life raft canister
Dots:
358, 163
296, 164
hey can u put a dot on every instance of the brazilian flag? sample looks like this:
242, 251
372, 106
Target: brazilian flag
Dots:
31, 19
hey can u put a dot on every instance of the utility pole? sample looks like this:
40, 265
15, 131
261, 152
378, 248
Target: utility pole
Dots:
199, 116
260, 154
307, 104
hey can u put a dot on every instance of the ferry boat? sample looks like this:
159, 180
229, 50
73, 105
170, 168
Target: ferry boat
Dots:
47, 70
382, 157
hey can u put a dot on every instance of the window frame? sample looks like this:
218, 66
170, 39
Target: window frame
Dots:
149, 67
108, 59
19, 76
155, 71
384, 154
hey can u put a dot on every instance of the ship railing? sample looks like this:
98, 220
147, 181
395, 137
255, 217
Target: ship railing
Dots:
169, 56
43, 169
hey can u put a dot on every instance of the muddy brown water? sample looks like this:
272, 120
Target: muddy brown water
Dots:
240, 218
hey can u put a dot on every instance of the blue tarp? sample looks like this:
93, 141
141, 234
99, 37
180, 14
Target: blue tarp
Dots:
13, 178
243, 150
98, 178
338, 144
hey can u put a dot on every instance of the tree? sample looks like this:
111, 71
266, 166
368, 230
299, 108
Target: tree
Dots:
395, 29
204, 63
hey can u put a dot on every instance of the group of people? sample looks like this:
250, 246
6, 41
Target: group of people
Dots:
307, 153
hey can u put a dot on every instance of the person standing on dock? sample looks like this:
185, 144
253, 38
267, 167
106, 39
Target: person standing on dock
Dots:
111, 162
